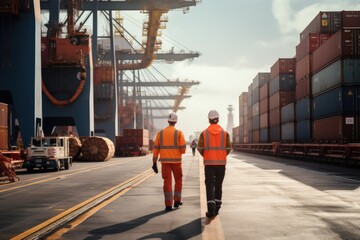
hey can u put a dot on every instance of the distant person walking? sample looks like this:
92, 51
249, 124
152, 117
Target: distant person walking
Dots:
214, 145
193, 146
170, 145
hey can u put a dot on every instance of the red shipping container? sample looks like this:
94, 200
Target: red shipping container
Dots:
344, 43
264, 91
351, 19
264, 120
264, 106
256, 136
4, 115
4, 126
250, 113
303, 87
274, 117
324, 22
309, 44
303, 67
281, 98
337, 128
283, 65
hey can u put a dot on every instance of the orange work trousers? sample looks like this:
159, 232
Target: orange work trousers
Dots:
167, 171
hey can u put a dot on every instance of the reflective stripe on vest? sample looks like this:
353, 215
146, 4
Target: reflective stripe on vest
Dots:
168, 158
175, 146
207, 142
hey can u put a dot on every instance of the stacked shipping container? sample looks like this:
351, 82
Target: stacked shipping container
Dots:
335, 81
4, 126
282, 92
243, 118
315, 96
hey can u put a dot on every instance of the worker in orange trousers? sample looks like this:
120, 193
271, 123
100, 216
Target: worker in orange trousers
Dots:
170, 145
214, 145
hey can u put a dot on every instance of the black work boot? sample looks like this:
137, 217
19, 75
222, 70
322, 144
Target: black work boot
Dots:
168, 208
211, 210
217, 209
177, 204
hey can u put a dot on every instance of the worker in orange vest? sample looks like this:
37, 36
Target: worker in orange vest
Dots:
214, 145
170, 145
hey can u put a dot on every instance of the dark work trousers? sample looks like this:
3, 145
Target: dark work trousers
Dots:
214, 176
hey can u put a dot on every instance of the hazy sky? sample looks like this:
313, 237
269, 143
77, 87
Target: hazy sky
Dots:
236, 39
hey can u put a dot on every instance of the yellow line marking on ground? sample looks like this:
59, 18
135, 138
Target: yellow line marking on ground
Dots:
59, 176
58, 234
211, 228
70, 210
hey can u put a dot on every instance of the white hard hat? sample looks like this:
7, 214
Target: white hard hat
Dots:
213, 114
172, 117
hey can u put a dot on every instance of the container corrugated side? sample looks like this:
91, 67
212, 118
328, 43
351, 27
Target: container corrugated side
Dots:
256, 122
275, 134
303, 88
274, 117
280, 99
341, 100
303, 131
343, 128
264, 120
282, 82
288, 132
255, 109
345, 43
241, 134
302, 109
255, 95
236, 134
260, 79
243, 108
249, 95
4, 115
309, 44
343, 71
4, 138
256, 136
303, 67
283, 65
288, 113
324, 22
264, 91
264, 106
264, 135
249, 112
249, 137
351, 19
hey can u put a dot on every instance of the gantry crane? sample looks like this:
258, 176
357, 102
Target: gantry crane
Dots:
106, 118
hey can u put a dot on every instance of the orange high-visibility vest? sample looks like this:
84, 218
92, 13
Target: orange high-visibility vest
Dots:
170, 144
214, 148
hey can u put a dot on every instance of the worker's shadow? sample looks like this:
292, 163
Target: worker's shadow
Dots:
179, 233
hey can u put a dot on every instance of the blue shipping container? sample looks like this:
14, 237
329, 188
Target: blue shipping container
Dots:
303, 131
288, 113
343, 71
302, 111
256, 122
275, 134
339, 101
282, 82
264, 135
288, 132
